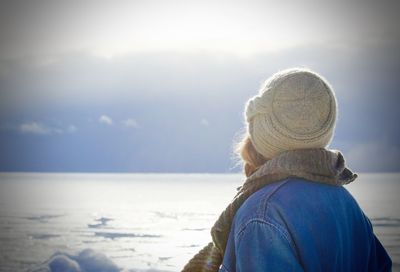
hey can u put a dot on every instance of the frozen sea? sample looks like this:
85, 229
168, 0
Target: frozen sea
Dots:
141, 222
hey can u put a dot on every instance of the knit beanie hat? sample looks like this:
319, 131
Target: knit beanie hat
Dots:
296, 109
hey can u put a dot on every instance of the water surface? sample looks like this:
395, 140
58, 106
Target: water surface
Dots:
143, 221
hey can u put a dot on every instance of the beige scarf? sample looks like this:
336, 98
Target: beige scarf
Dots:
318, 165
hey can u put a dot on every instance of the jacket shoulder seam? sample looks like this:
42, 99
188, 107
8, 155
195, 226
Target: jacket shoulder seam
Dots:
267, 199
278, 228
261, 208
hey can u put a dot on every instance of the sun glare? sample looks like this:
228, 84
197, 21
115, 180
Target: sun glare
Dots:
188, 28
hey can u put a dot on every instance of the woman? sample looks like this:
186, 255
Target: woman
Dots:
292, 212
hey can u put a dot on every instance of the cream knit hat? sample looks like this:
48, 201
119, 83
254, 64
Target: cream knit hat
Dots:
295, 110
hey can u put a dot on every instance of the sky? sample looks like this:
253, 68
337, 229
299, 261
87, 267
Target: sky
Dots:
160, 86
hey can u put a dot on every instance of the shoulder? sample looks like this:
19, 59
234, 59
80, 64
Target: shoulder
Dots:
254, 207
274, 202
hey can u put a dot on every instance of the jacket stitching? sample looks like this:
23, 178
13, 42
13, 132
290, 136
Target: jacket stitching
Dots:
278, 228
261, 212
266, 200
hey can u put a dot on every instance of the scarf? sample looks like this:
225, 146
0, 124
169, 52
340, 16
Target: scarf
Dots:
318, 165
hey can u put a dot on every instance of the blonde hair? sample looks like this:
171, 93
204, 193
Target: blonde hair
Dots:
251, 159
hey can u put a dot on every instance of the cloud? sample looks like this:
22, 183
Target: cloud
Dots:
72, 129
130, 123
42, 129
34, 128
78, 87
107, 120
204, 122
122, 27
87, 260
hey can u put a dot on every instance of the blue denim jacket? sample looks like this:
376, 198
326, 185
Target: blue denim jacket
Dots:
299, 225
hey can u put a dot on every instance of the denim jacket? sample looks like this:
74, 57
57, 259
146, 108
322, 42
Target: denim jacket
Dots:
299, 225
